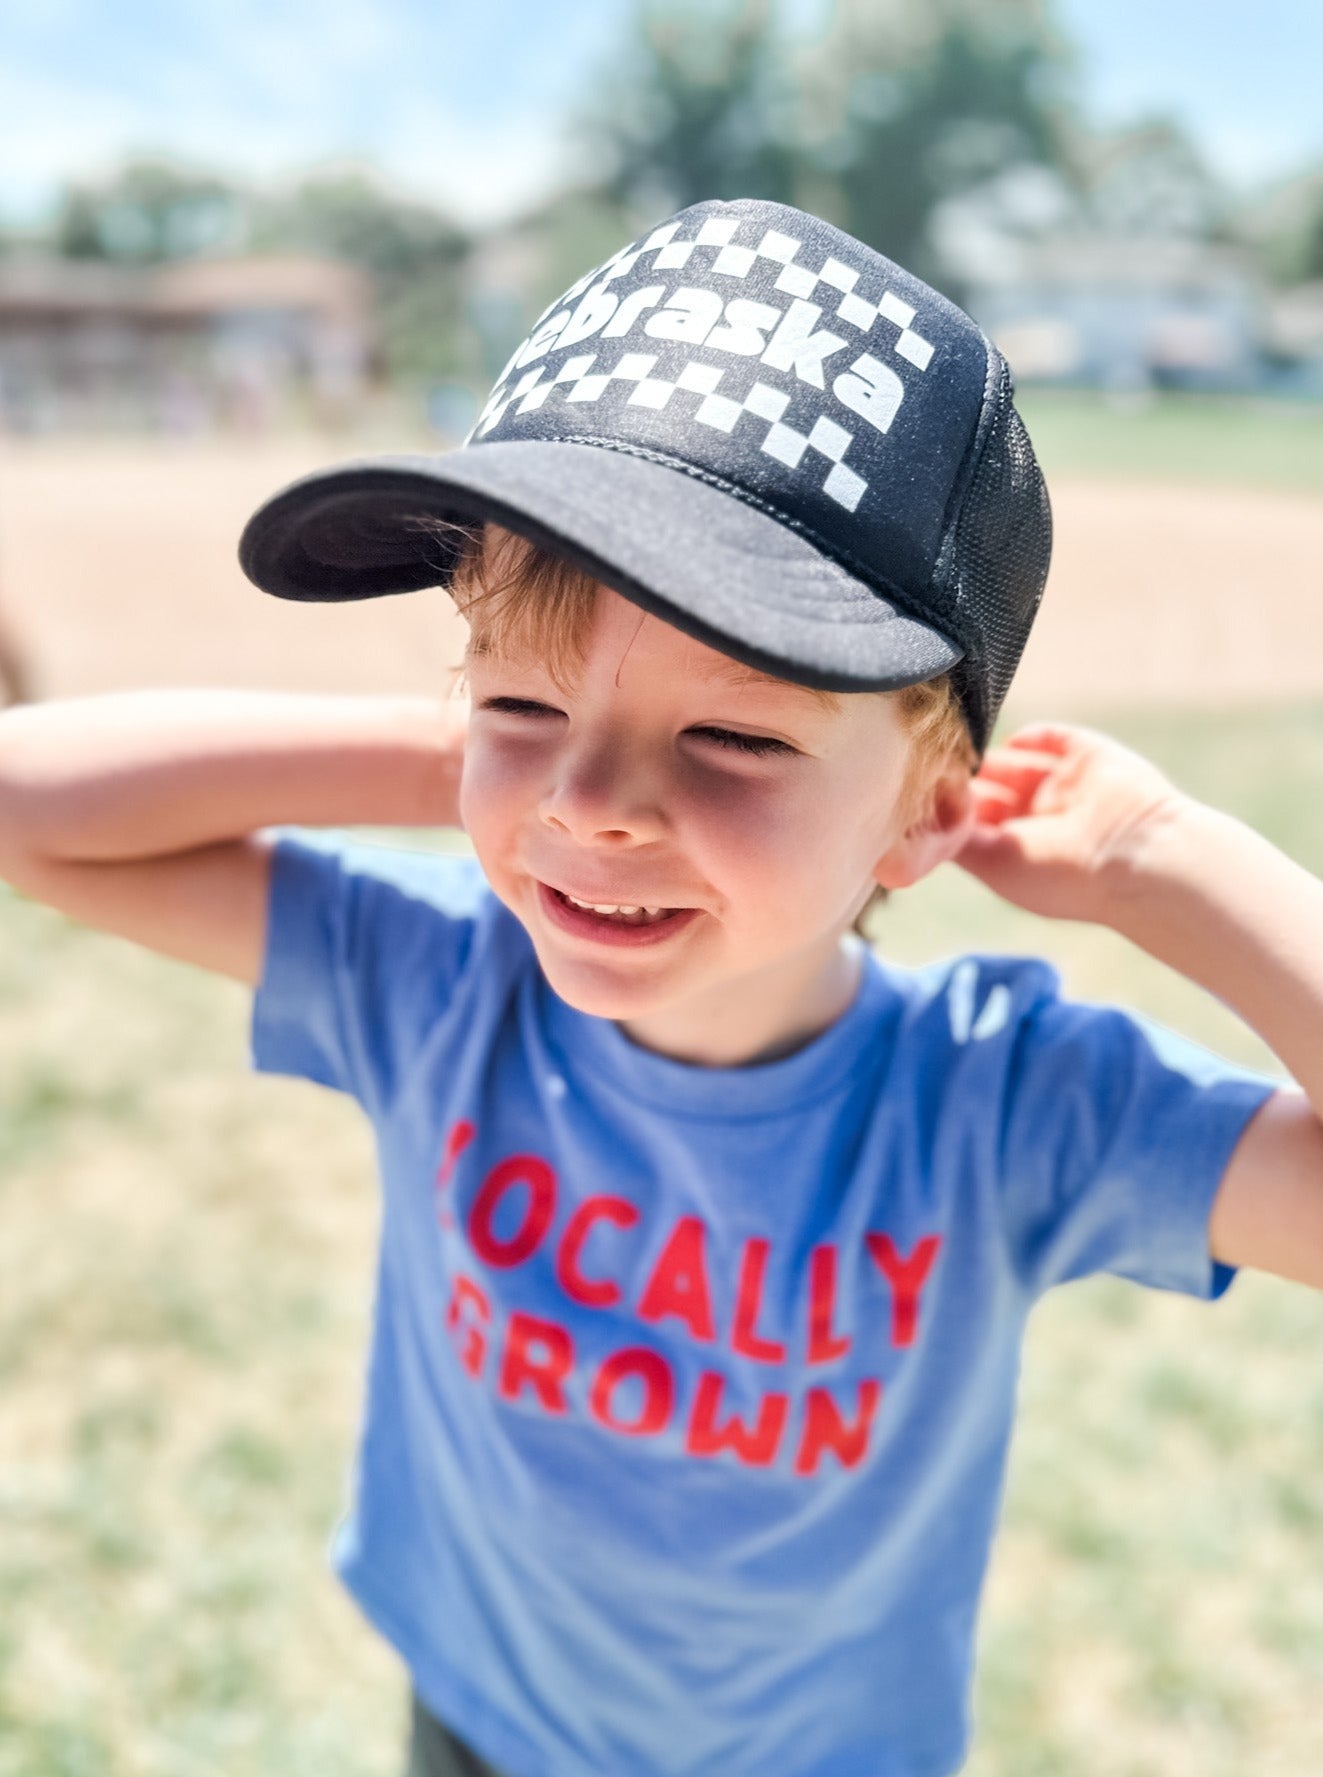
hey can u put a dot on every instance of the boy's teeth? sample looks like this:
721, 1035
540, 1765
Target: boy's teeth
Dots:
613, 910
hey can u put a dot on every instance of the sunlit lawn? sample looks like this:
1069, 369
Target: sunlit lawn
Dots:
1232, 440
186, 1261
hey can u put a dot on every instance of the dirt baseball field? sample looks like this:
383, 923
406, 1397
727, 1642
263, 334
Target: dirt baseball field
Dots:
118, 570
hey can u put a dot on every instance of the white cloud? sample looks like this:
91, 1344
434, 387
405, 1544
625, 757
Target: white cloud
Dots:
46, 139
479, 175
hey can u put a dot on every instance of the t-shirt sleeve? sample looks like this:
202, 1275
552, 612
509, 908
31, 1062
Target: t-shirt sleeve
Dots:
364, 948
1115, 1138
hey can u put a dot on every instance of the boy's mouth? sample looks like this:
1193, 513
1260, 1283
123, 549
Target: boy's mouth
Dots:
612, 922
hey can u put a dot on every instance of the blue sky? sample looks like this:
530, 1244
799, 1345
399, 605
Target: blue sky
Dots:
461, 103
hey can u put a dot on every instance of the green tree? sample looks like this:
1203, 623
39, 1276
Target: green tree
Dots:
353, 215
699, 106
414, 254
1284, 227
1310, 260
149, 211
909, 103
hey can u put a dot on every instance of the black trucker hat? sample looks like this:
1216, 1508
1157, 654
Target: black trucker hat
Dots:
751, 424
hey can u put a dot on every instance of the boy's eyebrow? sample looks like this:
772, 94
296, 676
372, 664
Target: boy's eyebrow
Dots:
735, 672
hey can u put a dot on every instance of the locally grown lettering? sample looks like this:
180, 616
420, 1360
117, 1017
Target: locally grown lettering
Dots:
633, 1391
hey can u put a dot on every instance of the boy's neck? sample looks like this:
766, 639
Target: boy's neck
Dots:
761, 1018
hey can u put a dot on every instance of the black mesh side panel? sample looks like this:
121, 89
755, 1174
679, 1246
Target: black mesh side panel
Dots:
999, 562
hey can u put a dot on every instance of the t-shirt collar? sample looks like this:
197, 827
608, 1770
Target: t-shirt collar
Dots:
597, 1052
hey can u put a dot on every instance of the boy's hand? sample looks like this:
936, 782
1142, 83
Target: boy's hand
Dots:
1060, 815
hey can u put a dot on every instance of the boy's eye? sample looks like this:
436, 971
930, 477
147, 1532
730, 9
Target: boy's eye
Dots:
517, 706
759, 745
762, 745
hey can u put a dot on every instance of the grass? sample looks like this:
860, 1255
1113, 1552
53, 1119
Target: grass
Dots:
185, 1280
1233, 440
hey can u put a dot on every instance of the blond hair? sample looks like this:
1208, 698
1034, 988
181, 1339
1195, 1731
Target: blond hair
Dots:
520, 599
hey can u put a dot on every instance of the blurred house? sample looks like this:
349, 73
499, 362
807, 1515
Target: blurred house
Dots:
1295, 337
1125, 312
241, 342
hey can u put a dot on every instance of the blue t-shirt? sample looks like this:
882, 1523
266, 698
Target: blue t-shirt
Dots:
691, 1389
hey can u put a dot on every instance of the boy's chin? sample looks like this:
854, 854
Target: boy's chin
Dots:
593, 990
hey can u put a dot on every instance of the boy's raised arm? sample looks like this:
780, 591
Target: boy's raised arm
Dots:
141, 812
1072, 825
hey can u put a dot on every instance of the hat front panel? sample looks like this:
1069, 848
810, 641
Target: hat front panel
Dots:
753, 344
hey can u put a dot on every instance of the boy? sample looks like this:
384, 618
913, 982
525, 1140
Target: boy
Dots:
708, 1238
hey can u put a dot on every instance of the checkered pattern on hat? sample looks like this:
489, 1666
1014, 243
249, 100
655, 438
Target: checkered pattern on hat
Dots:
833, 286
734, 261
577, 382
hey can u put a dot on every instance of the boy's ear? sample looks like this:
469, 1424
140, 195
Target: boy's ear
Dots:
936, 834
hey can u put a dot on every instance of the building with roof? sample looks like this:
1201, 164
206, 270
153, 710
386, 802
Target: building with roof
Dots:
203, 342
1126, 312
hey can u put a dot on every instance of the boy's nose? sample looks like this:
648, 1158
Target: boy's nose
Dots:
603, 795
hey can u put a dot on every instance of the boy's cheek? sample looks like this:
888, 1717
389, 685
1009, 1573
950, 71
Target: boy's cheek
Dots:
470, 804
489, 792
816, 846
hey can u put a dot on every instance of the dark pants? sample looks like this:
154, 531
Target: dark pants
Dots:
435, 1752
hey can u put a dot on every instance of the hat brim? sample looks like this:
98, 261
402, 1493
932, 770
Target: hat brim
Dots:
691, 551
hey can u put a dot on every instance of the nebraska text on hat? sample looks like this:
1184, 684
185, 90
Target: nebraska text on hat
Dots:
786, 339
